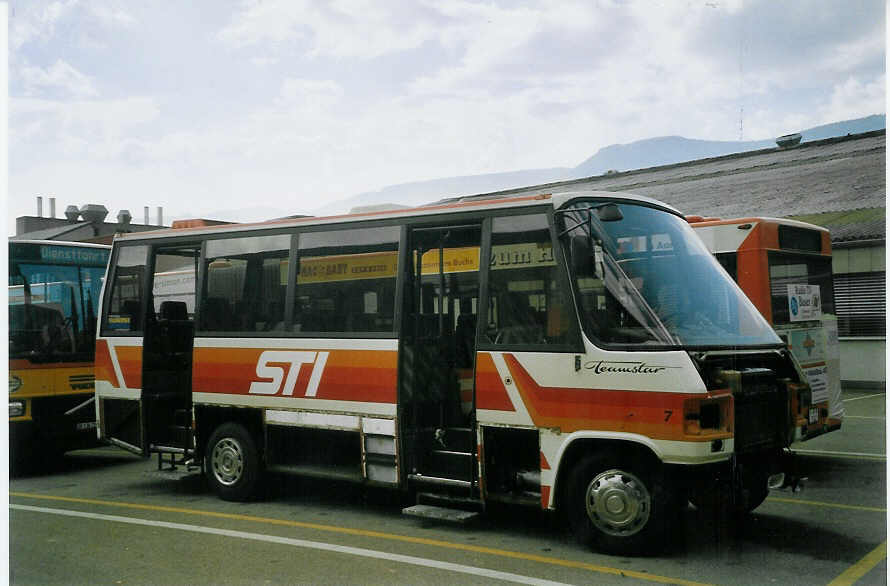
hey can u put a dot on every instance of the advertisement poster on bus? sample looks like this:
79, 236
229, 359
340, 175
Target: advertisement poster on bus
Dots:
804, 302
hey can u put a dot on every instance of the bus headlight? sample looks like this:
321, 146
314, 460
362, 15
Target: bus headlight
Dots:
16, 408
15, 383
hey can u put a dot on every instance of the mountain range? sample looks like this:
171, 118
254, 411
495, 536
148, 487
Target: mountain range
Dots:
641, 154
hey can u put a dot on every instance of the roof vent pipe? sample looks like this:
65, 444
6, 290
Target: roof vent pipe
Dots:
160, 216
147, 213
123, 220
788, 140
39, 207
52, 208
94, 213
72, 213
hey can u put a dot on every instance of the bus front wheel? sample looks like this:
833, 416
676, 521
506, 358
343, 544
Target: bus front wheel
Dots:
617, 507
233, 463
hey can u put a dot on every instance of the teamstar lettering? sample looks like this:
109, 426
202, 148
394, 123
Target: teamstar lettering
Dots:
603, 367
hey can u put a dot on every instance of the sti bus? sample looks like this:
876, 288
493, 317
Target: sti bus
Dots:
579, 352
784, 267
53, 303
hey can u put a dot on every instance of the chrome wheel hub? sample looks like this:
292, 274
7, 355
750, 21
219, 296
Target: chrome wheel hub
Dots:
618, 503
227, 461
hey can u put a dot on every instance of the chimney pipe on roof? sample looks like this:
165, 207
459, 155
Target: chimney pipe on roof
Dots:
160, 216
39, 207
147, 214
52, 208
123, 220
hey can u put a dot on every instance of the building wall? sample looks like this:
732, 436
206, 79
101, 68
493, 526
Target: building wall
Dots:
863, 362
863, 357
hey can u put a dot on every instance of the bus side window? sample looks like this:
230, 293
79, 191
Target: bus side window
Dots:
528, 303
346, 282
245, 284
125, 310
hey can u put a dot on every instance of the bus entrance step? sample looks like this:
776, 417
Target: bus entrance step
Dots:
440, 513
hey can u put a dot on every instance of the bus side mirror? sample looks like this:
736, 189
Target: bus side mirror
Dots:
581, 253
609, 212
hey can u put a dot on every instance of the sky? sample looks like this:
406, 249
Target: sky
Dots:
251, 110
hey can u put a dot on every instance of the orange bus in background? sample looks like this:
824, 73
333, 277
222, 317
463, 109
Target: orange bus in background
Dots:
784, 267
581, 352
53, 301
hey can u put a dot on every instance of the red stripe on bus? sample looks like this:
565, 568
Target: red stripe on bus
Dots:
104, 370
657, 415
490, 391
367, 376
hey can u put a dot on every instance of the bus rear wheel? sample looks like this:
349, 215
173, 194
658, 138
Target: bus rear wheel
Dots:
233, 463
617, 508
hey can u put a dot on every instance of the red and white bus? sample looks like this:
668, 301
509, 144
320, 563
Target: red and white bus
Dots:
581, 352
784, 267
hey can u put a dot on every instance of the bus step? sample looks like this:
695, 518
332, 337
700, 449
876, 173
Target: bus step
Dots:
451, 501
440, 513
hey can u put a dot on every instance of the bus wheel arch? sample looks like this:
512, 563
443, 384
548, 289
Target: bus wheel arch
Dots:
615, 496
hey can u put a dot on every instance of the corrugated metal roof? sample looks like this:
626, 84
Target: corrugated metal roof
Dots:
833, 175
861, 224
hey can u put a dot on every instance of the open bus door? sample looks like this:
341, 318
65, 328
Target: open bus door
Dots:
151, 353
437, 358
167, 350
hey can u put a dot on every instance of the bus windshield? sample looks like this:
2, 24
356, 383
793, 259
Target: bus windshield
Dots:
644, 278
52, 311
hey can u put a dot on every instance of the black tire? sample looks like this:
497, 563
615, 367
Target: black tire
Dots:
619, 507
232, 463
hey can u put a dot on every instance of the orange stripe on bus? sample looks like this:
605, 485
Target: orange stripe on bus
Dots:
104, 370
130, 360
348, 375
490, 391
545, 465
657, 415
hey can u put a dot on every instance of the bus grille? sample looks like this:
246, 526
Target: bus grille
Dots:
761, 411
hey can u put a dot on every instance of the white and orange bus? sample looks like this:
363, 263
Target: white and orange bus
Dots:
580, 352
784, 267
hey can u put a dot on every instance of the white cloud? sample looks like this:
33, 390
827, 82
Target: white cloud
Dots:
853, 97
61, 75
360, 29
110, 15
32, 22
465, 88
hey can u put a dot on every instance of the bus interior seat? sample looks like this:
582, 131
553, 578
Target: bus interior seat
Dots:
174, 311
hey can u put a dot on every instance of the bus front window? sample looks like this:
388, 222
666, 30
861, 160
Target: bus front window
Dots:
52, 311
649, 281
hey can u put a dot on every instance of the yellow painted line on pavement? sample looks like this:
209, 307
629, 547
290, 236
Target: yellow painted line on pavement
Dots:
862, 567
776, 499
374, 534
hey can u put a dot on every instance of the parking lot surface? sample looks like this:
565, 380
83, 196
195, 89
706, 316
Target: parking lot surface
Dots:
105, 516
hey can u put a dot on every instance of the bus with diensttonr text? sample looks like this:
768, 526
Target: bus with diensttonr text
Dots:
784, 267
579, 352
53, 301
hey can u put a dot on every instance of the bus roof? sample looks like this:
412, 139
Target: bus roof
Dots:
543, 199
752, 219
60, 243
